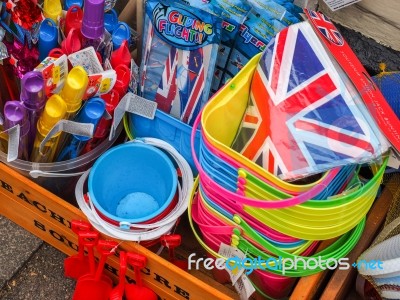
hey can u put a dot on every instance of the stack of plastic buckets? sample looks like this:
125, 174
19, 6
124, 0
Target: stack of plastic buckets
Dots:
133, 192
241, 204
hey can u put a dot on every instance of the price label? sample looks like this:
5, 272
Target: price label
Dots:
105, 85
339, 4
56, 74
244, 287
234, 264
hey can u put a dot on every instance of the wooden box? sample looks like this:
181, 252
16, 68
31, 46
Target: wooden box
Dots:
49, 217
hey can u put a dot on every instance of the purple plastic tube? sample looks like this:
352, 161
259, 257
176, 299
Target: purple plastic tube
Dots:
33, 99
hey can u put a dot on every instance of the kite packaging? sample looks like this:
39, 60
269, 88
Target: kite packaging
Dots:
178, 58
290, 7
254, 34
275, 11
232, 13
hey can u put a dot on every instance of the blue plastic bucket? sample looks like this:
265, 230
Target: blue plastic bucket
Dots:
132, 183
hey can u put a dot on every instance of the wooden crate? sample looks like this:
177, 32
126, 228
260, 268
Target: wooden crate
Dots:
49, 217
375, 19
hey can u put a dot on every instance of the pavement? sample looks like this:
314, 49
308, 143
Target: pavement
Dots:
32, 270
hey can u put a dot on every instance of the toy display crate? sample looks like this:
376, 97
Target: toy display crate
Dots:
49, 217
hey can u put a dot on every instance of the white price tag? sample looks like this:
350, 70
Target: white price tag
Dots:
134, 104
394, 160
88, 59
244, 287
234, 264
339, 4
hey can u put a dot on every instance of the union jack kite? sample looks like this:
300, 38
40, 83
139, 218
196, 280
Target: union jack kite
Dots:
167, 89
191, 95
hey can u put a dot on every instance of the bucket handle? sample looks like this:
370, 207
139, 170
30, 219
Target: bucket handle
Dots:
38, 173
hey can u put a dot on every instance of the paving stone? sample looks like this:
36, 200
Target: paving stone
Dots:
41, 278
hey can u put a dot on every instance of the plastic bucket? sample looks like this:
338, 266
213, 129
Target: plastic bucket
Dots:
267, 233
132, 183
168, 129
233, 178
61, 177
221, 119
273, 285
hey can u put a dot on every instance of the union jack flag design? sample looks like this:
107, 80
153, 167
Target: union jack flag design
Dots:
146, 55
301, 117
326, 27
191, 96
167, 88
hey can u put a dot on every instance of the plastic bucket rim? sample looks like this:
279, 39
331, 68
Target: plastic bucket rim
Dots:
65, 165
138, 127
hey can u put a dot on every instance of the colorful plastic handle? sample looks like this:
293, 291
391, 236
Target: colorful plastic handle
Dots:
78, 225
136, 260
106, 247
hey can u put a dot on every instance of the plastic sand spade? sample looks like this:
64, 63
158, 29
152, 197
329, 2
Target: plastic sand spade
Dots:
120, 33
78, 265
171, 242
110, 20
73, 19
89, 245
52, 9
118, 292
138, 291
97, 286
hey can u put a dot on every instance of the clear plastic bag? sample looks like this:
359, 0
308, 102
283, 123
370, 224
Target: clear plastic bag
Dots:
304, 116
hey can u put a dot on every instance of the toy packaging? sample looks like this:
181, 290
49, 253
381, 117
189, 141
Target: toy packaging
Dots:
178, 57
304, 115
